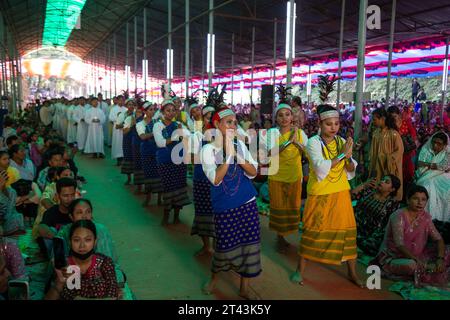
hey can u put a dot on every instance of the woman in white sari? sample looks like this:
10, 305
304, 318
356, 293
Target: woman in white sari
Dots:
433, 173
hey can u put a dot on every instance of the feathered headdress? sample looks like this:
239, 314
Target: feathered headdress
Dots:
192, 99
163, 92
326, 86
284, 93
216, 99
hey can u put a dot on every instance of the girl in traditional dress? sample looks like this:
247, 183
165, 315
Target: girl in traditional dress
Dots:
203, 224
408, 134
173, 176
237, 229
433, 173
138, 173
125, 121
148, 154
285, 173
329, 227
386, 150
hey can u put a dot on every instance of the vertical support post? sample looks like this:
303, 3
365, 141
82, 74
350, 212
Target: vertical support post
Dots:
186, 49
2, 61
12, 75
253, 64
232, 69
203, 68
169, 53
395, 89
360, 70
275, 26
309, 85
211, 44
115, 65
127, 66
341, 44
110, 69
19, 78
391, 46
135, 57
144, 54
290, 38
95, 73
444, 81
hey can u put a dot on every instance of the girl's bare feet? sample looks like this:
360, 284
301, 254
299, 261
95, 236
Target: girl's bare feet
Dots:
355, 279
296, 277
209, 287
249, 295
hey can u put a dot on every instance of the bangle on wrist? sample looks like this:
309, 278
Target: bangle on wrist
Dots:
341, 156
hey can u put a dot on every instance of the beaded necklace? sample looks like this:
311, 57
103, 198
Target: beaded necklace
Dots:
336, 169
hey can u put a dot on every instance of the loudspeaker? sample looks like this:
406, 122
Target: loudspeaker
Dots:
266, 99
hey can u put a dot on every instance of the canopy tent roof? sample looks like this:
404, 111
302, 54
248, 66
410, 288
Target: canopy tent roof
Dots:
317, 31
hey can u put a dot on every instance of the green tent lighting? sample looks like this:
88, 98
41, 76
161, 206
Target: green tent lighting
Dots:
60, 18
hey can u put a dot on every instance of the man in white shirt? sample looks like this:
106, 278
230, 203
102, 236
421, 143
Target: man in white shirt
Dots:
82, 128
117, 133
106, 109
95, 118
18, 160
71, 123
46, 114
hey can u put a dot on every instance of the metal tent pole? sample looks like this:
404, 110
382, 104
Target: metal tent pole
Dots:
391, 46
135, 57
291, 27
360, 70
275, 26
232, 69
211, 48
444, 81
145, 70
341, 44
186, 49
253, 64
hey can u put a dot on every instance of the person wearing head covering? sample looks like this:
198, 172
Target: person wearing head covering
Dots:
229, 167
125, 121
203, 224
285, 173
173, 175
433, 173
138, 173
144, 129
329, 226
386, 149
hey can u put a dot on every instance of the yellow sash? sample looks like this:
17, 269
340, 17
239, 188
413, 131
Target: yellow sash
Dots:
336, 180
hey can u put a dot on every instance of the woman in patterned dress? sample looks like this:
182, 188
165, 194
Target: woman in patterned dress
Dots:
98, 278
203, 224
148, 154
375, 204
173, 175
125, 121
138, 173
229, 167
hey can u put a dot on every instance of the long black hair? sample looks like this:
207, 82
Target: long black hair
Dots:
87, 224
382, 113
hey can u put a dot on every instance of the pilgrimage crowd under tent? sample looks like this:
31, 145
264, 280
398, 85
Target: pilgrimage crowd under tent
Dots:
385, 196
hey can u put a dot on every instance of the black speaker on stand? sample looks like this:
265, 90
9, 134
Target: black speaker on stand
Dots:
266, 99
